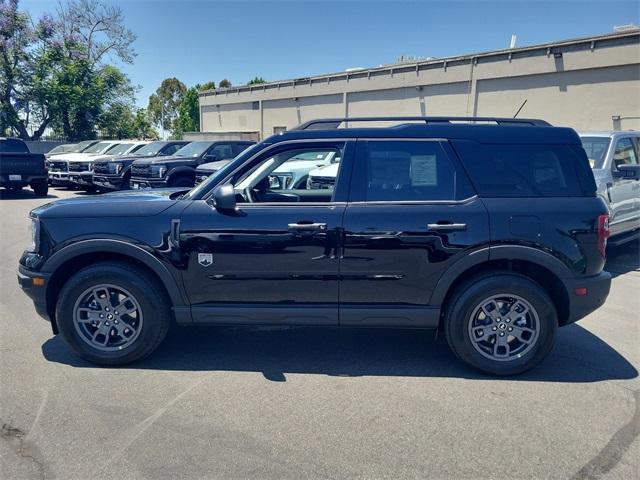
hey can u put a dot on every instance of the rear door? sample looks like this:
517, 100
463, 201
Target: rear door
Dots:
411, 215
623, 192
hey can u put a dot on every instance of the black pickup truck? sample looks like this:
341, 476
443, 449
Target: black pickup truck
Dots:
19, 167
178, 170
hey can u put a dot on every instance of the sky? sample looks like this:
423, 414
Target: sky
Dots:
198, 41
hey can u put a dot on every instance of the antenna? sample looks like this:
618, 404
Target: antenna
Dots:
521, 107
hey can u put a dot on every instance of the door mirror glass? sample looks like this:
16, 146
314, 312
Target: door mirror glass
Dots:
210, 158
224, 198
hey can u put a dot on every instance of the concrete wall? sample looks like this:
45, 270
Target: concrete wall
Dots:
590, 83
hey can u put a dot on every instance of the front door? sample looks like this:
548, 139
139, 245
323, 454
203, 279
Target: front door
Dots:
623, 192
275, 260
413, 215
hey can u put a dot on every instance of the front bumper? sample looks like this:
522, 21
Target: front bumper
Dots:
37, 293
110, 182
59, 178
597, 289
143, 182
84, 179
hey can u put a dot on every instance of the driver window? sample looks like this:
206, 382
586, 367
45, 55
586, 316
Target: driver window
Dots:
297, 175
624, 153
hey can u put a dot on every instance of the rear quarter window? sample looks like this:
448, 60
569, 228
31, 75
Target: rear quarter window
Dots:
525, 170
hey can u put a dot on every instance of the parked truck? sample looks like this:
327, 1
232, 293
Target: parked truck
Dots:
19, 167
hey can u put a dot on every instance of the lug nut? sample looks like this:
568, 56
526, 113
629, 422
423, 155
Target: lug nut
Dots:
101, 315
510, 329
494, 328
502, 334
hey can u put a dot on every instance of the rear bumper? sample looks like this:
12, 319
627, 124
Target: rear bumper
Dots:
24, 180
597, 288
38, 294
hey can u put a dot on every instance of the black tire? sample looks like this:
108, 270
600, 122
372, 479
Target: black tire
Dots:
181, 182
149, 294
40, 189
468, 298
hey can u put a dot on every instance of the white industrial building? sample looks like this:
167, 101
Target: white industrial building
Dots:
587, 83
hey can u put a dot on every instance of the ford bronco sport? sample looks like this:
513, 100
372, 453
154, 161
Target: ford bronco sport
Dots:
490, 230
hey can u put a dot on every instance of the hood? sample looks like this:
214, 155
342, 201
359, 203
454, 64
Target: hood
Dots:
212, 166
166, 161
73, 157
123, 158
138, 203
326, 171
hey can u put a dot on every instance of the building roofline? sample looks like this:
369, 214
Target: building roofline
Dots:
443, 60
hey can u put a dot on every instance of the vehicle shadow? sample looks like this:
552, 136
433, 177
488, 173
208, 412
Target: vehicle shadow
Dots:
623, 259
24, 194
579, 356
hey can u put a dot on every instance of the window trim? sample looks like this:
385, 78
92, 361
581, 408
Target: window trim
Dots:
450, 155
344, 172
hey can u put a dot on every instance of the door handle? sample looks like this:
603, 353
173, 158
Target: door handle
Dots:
305, 227
446, 226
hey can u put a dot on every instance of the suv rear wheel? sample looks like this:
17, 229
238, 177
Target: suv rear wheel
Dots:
502, 323
113, 313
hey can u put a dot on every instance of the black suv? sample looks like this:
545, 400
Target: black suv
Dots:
115, 173
179, 169
489, 231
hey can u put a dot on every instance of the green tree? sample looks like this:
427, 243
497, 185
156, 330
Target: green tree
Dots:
52, 73
256, 81
206, 86
164, 103
189, 111
143, 126
224, 83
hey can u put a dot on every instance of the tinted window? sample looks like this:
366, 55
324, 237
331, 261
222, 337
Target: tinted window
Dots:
596, 149
221, 152
625, 153
408, 170
171, 149
527, 170
13, 146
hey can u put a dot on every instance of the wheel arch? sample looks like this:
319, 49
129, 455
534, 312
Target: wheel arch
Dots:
72, 258
539, 266
179, 172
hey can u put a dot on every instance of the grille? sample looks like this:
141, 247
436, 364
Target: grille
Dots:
58, 166
138, 171
322, 182
79, 167
101, 167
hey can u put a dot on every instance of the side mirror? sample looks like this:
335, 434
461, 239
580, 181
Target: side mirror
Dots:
628, 172
210, 158
224, 198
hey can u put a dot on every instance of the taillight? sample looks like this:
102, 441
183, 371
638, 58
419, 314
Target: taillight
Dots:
603, 234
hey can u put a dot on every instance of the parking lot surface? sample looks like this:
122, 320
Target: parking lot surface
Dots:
315, 403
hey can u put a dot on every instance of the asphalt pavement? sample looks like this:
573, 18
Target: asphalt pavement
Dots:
314, 403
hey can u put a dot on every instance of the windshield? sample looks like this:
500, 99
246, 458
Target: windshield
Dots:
120, 149
98, 147
194, 149
224, 171
62, 149
596, 149
150, 149
79, 147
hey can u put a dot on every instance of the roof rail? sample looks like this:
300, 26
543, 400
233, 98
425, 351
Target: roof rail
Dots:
331, 123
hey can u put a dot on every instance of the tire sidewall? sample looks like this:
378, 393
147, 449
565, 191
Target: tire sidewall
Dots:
153, 323
460, 315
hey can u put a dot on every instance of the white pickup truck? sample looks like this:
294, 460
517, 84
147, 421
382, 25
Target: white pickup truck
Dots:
615, 160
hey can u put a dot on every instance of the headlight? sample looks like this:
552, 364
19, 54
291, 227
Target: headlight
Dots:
35, 235
162, 171
116, 167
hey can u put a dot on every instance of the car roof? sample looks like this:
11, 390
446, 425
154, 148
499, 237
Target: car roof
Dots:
610, 133
481, 133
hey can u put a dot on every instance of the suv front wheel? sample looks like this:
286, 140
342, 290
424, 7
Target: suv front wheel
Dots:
113, 313
501, 323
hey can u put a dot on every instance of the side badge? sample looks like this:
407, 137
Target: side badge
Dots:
205, 259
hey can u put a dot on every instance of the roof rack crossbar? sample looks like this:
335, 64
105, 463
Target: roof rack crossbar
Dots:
331, 123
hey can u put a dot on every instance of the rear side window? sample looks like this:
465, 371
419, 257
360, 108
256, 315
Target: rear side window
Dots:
499, 170
625, 153
405, 170
13, 146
